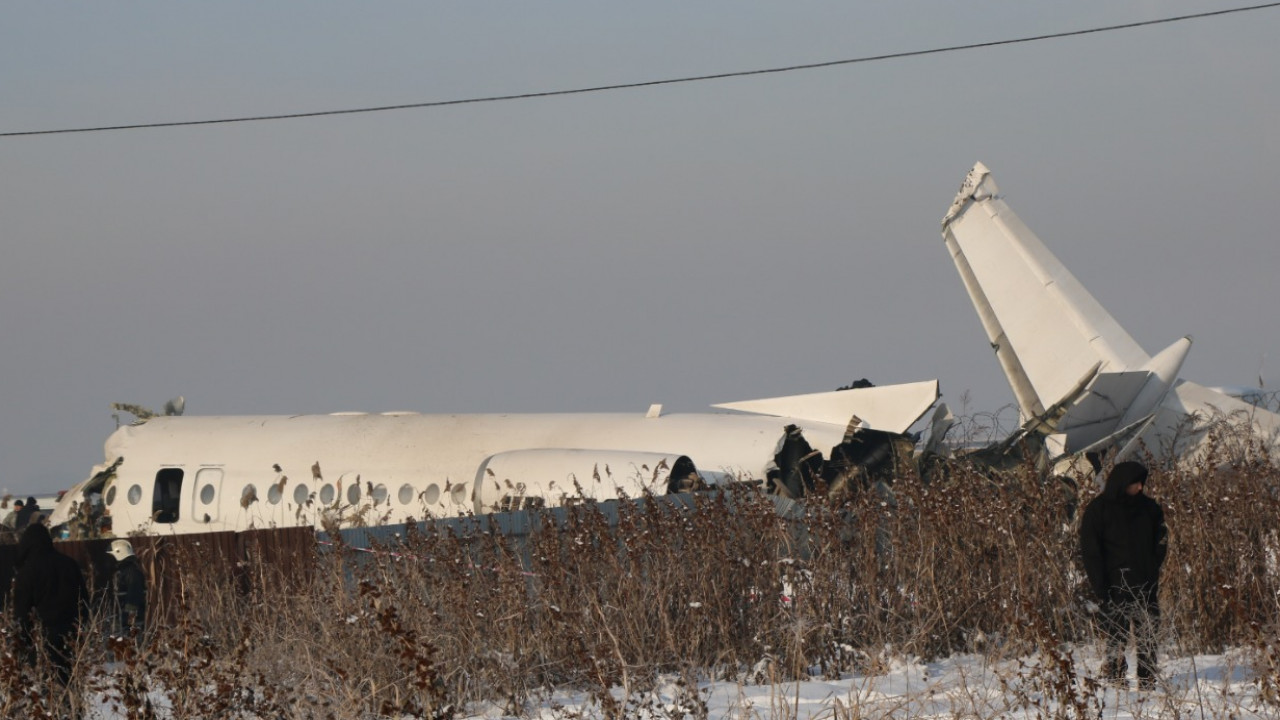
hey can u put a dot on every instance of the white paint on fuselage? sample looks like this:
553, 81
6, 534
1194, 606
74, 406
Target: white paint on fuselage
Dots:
436, 457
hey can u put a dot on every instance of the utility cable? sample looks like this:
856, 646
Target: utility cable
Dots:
651, 83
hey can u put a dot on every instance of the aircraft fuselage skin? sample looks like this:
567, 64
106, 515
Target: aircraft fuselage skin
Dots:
173, 475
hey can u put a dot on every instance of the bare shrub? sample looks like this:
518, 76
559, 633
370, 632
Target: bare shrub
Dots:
725, 585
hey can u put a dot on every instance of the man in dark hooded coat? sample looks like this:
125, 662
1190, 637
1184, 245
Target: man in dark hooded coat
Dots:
48, 593
684, 477
1123, 542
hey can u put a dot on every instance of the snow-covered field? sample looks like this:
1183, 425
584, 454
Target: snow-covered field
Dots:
964, 686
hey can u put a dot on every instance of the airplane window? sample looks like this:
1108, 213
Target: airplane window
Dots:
459, 493
432, 496
327, 494
353, 493
249, 496
111, 494
379, 494
300, 494
209, 484
406, 494
135, 494
274, 494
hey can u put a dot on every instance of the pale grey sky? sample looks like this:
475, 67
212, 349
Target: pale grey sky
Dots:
684, 244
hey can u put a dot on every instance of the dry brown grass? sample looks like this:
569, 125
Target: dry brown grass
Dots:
727, 589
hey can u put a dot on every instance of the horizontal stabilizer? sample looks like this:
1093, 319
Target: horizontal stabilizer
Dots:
1122, 399
890, 408
1131, 435
1098, 412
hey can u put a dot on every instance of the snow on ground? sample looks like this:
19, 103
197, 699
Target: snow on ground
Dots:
964, 686
967, 686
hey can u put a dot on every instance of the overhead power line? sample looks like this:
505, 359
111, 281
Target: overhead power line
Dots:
650, 83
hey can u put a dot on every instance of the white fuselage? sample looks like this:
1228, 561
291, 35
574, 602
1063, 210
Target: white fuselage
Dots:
204, 474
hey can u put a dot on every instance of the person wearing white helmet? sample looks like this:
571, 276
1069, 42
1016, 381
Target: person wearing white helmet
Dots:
130, 586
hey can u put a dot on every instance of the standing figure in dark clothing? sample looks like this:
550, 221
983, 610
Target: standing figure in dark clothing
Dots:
130, 586
23, 518
48, 597
798, 465
684, 477
1123, 542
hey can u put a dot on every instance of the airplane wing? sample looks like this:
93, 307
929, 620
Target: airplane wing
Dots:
891, 408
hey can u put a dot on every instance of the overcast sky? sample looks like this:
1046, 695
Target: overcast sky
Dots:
684, 244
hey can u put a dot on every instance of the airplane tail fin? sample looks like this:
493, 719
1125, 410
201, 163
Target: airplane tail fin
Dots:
1047, 330
1080, 380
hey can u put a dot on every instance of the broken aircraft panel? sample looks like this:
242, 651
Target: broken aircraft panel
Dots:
863, 458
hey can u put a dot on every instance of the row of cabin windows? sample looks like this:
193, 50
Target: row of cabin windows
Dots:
165, 500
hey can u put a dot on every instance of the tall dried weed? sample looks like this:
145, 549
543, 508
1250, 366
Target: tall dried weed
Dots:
724, 587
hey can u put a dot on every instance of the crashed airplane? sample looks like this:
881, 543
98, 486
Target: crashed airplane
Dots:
1082, 384
175, 474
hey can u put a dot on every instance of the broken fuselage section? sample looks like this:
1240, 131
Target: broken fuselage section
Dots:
190, 474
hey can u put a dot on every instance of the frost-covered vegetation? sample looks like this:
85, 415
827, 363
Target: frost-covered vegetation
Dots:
973, 572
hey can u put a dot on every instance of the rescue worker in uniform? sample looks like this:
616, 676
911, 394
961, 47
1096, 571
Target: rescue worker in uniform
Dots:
130, 586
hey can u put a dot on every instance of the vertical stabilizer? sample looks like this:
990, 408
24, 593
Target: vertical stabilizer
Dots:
1046, 329
1081, 381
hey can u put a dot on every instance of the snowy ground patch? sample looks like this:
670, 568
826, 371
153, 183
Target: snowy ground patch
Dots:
964, 686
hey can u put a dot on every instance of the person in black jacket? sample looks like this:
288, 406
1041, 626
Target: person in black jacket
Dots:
130, 585
25, 514
48, 596
1123, 542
